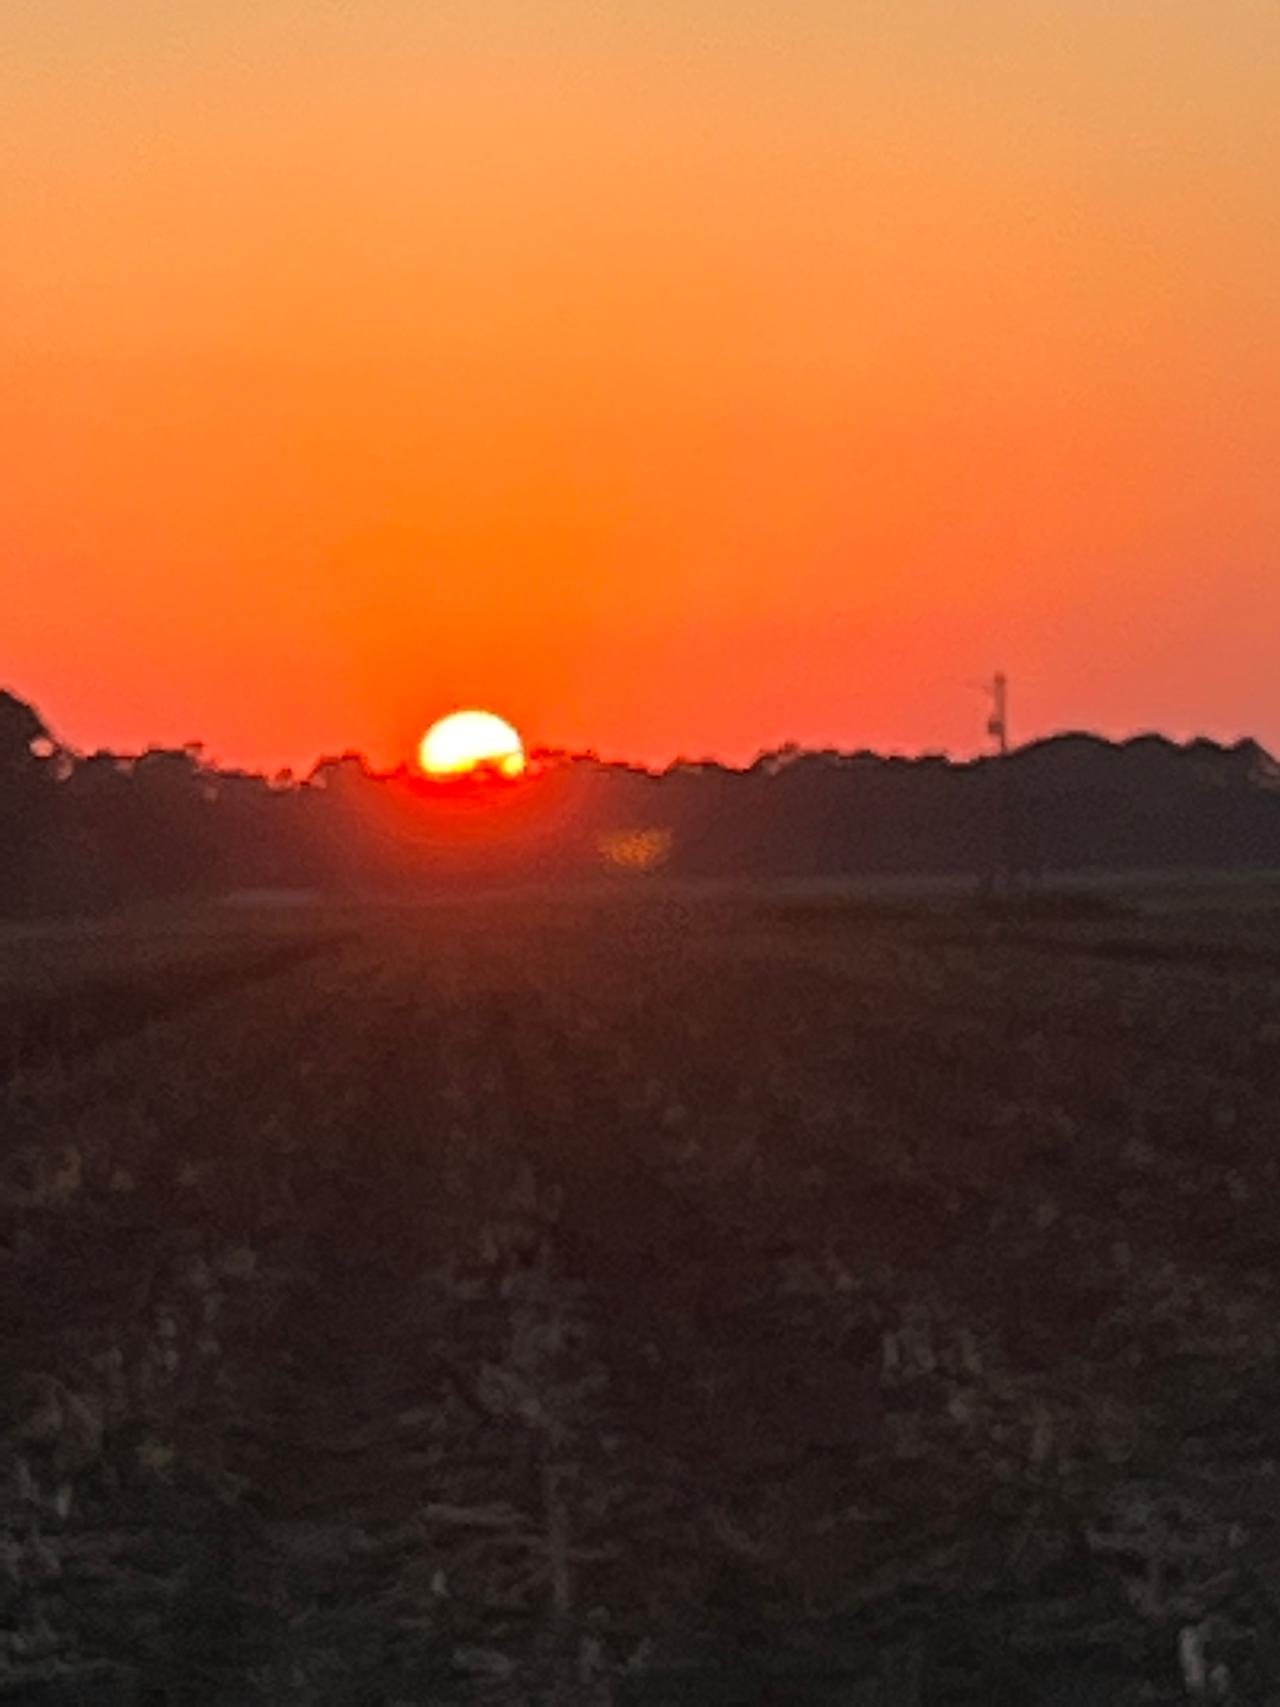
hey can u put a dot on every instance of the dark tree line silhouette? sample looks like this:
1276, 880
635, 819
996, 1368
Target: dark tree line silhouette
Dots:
82, 832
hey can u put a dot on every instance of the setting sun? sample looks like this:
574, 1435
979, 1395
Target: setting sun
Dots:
468, 740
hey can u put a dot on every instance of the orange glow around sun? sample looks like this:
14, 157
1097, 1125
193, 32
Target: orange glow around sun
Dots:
468, 741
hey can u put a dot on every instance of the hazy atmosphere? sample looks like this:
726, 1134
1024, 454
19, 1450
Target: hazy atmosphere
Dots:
639, 853
671, 377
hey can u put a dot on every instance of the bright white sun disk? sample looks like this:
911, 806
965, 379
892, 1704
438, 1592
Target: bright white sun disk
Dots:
466, 740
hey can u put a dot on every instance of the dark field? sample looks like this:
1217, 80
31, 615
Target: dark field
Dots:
666, 1301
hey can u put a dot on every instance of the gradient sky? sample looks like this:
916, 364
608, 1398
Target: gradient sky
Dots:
682, 376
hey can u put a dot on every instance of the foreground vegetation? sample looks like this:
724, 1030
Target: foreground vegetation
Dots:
642, 1304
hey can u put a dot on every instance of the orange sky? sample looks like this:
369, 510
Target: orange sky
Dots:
679, 376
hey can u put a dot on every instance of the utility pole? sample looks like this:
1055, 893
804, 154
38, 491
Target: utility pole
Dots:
1004, 870
998, 722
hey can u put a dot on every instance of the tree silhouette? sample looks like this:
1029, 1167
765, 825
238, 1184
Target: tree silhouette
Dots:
24, 791
87, 832
20, 730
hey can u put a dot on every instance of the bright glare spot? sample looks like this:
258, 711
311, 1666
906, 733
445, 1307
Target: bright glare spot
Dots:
636, 850
467, 740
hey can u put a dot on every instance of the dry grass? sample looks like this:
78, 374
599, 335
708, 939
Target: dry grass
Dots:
660, 1303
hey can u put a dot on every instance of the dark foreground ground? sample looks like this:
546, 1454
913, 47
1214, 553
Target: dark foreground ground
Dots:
651, 1303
